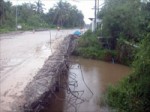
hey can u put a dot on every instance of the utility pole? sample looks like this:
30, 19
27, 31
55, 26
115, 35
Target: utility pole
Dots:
95, 22
98, 5
16, 14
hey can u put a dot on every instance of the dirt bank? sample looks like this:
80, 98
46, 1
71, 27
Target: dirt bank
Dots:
47, 80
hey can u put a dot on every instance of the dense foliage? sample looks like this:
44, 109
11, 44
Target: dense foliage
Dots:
6, 15
29, 16
125, 18
133, 93
128, 22
89, 47
63, 14
32, 16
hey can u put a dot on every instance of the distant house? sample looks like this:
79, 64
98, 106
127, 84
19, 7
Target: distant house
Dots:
93, 26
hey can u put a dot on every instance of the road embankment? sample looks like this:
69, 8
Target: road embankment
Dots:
21, 57
40, 89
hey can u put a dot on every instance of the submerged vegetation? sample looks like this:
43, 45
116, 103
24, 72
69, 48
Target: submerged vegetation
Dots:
32, 16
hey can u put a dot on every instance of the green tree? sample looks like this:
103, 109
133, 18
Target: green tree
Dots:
66, 15
145, 18
121, 18
39, 7
32, 16
6, 14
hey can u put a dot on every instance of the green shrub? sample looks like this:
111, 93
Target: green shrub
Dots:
95, 53
133, 93
89, 47
125, 52
88, 39
5, 29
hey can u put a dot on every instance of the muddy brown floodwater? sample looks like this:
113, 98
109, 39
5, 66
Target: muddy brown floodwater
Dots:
97, 75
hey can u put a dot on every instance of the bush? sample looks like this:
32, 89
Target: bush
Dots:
6, 29
89, 47
125, 52
88, 39
132, 94
95, 53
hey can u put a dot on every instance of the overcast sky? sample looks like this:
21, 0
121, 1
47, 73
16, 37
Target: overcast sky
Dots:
84, 5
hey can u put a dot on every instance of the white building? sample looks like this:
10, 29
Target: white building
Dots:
93, 26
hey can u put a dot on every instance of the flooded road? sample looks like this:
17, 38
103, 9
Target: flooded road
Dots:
90, 78
21, 57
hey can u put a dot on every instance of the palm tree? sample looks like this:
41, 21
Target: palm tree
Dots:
39, 7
